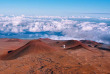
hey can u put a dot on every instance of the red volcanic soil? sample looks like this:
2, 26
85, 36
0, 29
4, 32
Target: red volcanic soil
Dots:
34, 46
69, 44
12, 45
94, 44
91, 43
14, 40
46, 56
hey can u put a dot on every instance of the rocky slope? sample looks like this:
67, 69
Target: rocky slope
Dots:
46, 56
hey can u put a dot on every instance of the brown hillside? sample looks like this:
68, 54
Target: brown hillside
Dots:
40, 57
34, 46
14, 40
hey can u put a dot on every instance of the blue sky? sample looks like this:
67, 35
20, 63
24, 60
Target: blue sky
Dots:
53, 7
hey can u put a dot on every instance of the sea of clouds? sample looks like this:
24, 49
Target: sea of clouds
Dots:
55, 27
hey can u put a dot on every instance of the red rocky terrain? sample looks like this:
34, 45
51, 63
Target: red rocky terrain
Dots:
46, 56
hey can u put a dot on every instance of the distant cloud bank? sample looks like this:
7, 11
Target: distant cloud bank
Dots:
56, 27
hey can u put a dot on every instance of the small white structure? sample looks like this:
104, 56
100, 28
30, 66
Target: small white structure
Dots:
64, 46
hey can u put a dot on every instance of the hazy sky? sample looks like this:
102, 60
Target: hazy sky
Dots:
53, 7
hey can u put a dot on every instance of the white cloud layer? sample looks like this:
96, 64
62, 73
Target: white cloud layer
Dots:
70, 27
